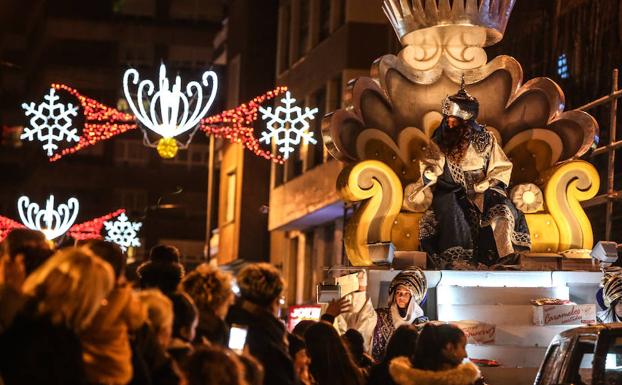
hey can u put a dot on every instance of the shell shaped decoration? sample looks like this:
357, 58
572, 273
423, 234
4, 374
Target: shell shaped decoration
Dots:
392, 115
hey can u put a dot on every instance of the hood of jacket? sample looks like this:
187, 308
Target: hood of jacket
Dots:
404, 374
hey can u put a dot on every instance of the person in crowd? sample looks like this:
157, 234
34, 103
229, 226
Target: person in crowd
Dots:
162, 270
211, 290
301, 328
105, 343
331, 362
261, 287
151, 362
159, 314
401, 344
612, 297
407, 291
356, 345
253, 371
215, 365
63, 296
438, 359
298, 352
185, 321
21, 252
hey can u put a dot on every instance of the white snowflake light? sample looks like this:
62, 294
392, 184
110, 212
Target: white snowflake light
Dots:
123, 232
169, 112
53, 222
287, 125
51, 122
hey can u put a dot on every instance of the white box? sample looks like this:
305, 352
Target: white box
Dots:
477, 332
564, 314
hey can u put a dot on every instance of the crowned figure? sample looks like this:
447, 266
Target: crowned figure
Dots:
471, 220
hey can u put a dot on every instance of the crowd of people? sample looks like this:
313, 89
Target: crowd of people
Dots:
79, 315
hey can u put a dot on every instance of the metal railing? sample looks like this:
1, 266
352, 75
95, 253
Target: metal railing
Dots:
610, 194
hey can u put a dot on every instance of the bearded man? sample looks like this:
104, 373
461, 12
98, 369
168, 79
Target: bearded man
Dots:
471, 220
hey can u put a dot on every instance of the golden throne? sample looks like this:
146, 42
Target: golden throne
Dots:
388, 119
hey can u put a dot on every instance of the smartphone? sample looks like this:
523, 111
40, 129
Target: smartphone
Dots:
327, 293
237, 337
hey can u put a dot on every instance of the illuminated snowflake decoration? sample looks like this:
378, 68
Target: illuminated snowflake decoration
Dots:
51, 122
287, 126
53, 222
123, 232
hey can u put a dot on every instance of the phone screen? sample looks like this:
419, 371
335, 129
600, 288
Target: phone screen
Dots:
237, 338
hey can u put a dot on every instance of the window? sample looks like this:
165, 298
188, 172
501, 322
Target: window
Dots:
319, 101
230, 198
613, 362
581, 363
551, 366
562, 66
132, 200
325, 18
194, 156
131, 151
303, 31
284, 22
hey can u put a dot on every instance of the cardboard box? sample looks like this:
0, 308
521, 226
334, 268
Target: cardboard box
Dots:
477, 332
564, 314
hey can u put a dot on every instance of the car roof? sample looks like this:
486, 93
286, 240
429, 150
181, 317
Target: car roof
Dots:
590, 329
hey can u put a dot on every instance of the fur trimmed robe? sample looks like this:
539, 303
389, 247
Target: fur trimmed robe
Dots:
404, 374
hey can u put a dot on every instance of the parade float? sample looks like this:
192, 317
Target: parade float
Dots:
384, 131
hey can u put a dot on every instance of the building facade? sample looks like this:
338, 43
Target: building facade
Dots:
321, 45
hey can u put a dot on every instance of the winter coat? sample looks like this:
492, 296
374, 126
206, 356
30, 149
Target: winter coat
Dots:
404, 374
212, 328
266, 341
105, 343
152, 364
35, 351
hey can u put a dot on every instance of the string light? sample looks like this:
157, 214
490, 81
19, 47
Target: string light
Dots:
100, 122
103, 122
6, 225
235, 125
93, 228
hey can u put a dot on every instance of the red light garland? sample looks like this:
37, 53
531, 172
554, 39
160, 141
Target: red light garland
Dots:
86, 230
92, 229
236, 125
6, 225
103, 122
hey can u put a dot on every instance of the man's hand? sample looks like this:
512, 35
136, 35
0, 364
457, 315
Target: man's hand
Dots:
338, 306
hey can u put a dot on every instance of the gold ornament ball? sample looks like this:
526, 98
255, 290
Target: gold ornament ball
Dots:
167, 148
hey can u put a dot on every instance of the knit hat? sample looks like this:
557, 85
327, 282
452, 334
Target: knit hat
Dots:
414, 280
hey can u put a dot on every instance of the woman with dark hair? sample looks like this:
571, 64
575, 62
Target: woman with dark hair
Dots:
214, 365
438, 359
356, 345
185, 321
331, 363
401, 344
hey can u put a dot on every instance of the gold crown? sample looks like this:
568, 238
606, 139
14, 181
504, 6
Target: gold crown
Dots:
408, 16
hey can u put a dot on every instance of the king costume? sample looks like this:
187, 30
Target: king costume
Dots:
471, 220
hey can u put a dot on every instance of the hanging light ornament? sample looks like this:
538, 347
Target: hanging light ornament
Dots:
169, 112
51, 221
